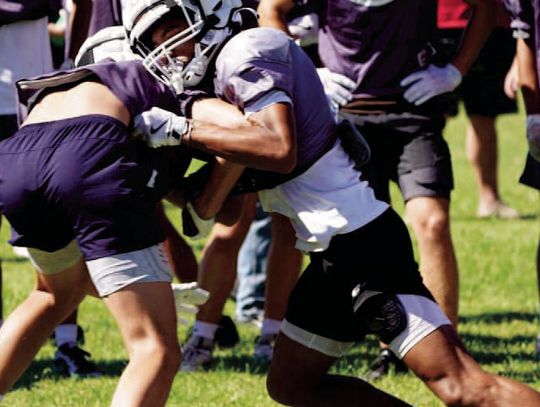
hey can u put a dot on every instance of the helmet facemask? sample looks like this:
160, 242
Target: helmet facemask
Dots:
208, 32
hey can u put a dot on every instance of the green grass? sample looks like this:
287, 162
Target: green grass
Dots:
498, 306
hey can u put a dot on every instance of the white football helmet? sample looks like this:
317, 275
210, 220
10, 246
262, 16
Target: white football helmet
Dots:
110, 42
209, 22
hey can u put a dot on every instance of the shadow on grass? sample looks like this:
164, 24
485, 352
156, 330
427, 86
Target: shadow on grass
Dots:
43, 369
14, 259
498, 317
472, 218
239, 363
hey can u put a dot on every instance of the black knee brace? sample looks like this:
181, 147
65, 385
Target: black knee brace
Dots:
380, 314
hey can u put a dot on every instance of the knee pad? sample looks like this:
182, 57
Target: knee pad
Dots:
380, 314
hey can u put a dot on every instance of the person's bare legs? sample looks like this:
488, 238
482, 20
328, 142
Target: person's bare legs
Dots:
32, 322
444, 365
429, 218
217, 270
146, 317
481, 148
482, 153
299, 376
283, 267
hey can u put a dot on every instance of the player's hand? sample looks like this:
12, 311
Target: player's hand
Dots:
433, 81
511, 81
159, 128
195, 226
188, 296
533, 135
305, 29
337, 87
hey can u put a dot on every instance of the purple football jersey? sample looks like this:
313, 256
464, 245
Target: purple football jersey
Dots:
129, 81
12, 11
258, 62
377, 43
525, 17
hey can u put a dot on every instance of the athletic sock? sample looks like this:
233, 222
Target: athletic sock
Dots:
270, 326
65, 333
205, 329
1, 397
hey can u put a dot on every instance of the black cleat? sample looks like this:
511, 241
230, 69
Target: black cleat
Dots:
383, 364
226, 334
72, 361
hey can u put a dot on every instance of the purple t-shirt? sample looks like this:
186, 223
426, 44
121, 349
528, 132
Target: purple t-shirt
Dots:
12, 11
377, 43
525, 22
129, 81
260, 61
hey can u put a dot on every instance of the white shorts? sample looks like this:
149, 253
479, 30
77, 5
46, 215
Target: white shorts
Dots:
111, 273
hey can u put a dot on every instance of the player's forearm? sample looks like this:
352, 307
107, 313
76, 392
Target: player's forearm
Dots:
480, 25
223, 177
251, 145
272, 13
528, 77
222, 129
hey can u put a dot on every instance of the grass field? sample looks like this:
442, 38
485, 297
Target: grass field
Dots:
498, 307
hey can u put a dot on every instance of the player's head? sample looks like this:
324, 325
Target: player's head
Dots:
108, 43
179, 38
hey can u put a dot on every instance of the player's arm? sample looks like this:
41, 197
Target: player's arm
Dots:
527, 76
265, 143
272, 13
481, 23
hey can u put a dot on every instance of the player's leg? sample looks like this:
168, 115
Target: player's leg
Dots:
430, 220
251, 270
318, 329
482, 154
217, 272
444, 365
62, 283
283, 269
151, 341
425, 179
484, 99
299, 376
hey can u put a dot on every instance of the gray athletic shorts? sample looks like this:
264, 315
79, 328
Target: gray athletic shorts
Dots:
111, 273
407, 148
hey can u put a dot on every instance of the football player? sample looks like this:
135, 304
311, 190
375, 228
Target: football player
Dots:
362, 277
80, 193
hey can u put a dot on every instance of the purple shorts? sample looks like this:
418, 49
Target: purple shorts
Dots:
84, 178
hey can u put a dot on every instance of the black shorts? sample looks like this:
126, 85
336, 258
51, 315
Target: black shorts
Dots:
409, 149
378, 257
482, 89
531, 173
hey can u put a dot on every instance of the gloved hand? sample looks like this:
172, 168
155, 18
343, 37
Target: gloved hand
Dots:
188, 296
305, 29
193, 225
430, 82
533, 135
337, 87
159, 128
